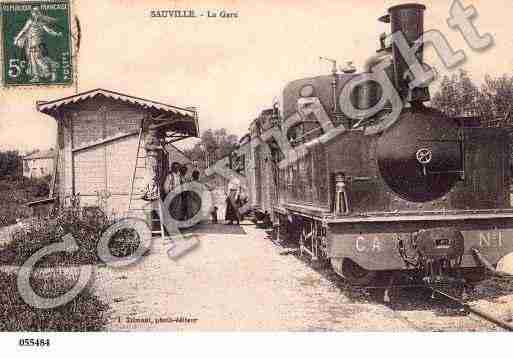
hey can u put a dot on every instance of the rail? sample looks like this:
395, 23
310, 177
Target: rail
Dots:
480, 313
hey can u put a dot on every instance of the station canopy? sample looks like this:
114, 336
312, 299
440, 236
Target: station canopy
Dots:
176, 122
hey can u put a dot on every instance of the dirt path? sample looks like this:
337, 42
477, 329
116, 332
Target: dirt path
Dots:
232, 282
240, 280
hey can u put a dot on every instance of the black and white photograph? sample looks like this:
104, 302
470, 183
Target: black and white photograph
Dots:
311, 171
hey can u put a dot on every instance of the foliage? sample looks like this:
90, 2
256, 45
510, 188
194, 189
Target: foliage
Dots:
84, 225
124, 243
459, 96
215, 144
10, 164
16, 192
498, 95
84, 313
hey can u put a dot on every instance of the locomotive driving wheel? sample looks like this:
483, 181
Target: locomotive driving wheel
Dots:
354, 274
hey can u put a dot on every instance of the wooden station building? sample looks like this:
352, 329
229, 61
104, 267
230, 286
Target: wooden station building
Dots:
100, 145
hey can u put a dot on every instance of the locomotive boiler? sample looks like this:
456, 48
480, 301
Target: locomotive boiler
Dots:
380, 189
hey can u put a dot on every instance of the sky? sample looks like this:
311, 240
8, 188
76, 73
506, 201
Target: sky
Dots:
232, 68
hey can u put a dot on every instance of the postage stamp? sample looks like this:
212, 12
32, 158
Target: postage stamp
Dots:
36, 43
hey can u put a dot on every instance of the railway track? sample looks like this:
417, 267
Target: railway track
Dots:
422, 308
443, 312
475, 310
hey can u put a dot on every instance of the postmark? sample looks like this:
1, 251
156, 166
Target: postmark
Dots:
36, 43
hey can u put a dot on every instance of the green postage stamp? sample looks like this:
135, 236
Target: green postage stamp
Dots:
36, 43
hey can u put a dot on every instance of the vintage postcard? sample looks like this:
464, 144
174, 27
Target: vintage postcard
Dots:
272, 166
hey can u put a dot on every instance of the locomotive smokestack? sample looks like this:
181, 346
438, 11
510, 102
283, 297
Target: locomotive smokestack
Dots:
408, 19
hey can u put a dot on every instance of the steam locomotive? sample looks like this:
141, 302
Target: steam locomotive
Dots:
413, 191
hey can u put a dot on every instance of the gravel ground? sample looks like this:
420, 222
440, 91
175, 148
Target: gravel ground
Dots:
238, 280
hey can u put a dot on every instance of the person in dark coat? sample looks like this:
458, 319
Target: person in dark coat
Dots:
172, 183
213, 214
233, 202
192, 198
232, 207
184, 209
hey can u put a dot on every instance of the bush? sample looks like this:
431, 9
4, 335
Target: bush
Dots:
39, 189
10, 163
85, 225
84, 313
16, 192
124, 243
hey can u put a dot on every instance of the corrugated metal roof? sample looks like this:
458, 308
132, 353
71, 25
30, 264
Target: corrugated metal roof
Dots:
40, 155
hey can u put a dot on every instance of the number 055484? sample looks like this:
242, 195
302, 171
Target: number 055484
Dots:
30, 342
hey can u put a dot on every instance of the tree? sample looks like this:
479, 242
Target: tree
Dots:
492, 102
498, 95
215, 144
10, 164
458, 96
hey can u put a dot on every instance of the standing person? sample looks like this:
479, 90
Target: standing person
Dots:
184, 209
242, 199
232, 202
31, 38
183, 174
195, 176
171, 184
153, 157
193, 198
173, 178
213, 214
